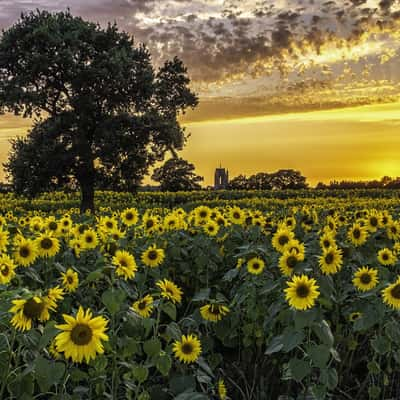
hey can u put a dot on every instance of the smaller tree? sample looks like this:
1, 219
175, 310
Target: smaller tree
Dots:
177, 174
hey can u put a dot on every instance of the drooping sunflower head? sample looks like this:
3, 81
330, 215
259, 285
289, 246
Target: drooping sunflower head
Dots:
144, 306
391, 294
153, 256
213, 312
365, 278
302, 292
81, 337
170, 291
221, 388
255, 266
188, 349
28, 310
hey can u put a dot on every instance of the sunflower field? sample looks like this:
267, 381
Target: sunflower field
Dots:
196, 296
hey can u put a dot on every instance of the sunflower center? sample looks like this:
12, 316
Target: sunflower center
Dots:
81, 334
356, 233
365, 278
393, 229
128, 216
327, 243
46, 243
302, 291
53, 226
373, 221
291, 261
152, 254
70, 280
149, 223
32, 308
214, 310
395, 292
109, 224
4, 270
187, 348
142, 305
256, 265
385, 256
123, 263
236, 215
24, 251
203, 214
283, 240
329, 258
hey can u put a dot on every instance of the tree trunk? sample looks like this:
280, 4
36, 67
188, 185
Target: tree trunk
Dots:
87, 196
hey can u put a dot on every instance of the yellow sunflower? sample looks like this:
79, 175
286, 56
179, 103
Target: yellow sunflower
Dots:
130, 216
288, 261
386, 257
393, 230
125, 264
3, 240
28, 310
326, 241
81, 339
211, 228
89, 239
153, 256
255, 265
213, 312
170, 291
331, 261
7, 269
357, 234
373, 221
354, 316
365, 278
47, 245
302, 292
150, 223
281, 238
202, 214
297, 247
188, 349
70, 280
222, 392
25, 252
237, 215
144, 306
391, 294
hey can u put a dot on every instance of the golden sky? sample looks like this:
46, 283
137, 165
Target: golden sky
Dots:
307, 84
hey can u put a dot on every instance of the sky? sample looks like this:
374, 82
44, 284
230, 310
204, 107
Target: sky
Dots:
306, 84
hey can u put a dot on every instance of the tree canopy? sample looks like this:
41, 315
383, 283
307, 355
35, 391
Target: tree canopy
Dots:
177, 174
102, 112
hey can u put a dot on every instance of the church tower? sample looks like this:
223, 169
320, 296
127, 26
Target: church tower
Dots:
221, 178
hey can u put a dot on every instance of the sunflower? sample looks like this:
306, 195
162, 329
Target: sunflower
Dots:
53, 296
326, 241
150, 223
47, 245
107, 223
373, 221
52, 225
188, 349
28, 310
213, 312
297, 247
144, 306
222, 392
70, 280
281, 238
171, 222
36, 224
331, 261
393, 230
354, 316
237, 215
365, 278
125, 263
7, 269
89, 239
3, 240
302, 292
386, 257
153, 256
288, 261
81, 339
357, 234
130, 216
211, 228
25, 252
391, 294
170, 291
202, 214
255, 266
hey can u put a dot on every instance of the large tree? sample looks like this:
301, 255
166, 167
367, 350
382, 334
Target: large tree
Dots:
102, 112
177, 174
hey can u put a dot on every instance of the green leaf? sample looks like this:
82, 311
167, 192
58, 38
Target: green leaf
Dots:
299, 369
48, 373
329, 378
324, 333
275, 345
231, 275
140, 373
152, 347
48, 334
113, 299
319, 355
291, 339
180, 384
381, 344
392, 330
22, 386
173, 331
201, 295
169, 309
304, 318
94, 276
191, 396
319, 392
164, 364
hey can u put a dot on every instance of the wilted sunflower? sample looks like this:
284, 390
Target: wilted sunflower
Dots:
130, 216
213, 312
28, 310
144, 306
188, 349
170, 291
70, 280
7, 269
386, 257
357, 234
288, 261
255, 265
47, 245
153, 256
391, 294
331, 260
81, 339
125, 263
302, 292
281, 238
25, 252
222, 392
365, 278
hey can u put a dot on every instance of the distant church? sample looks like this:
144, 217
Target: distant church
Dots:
221, 178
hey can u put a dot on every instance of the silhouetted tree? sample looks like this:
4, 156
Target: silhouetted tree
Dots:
103, 114
177, 174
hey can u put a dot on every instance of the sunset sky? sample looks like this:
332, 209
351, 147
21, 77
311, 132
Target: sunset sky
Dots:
305, 84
